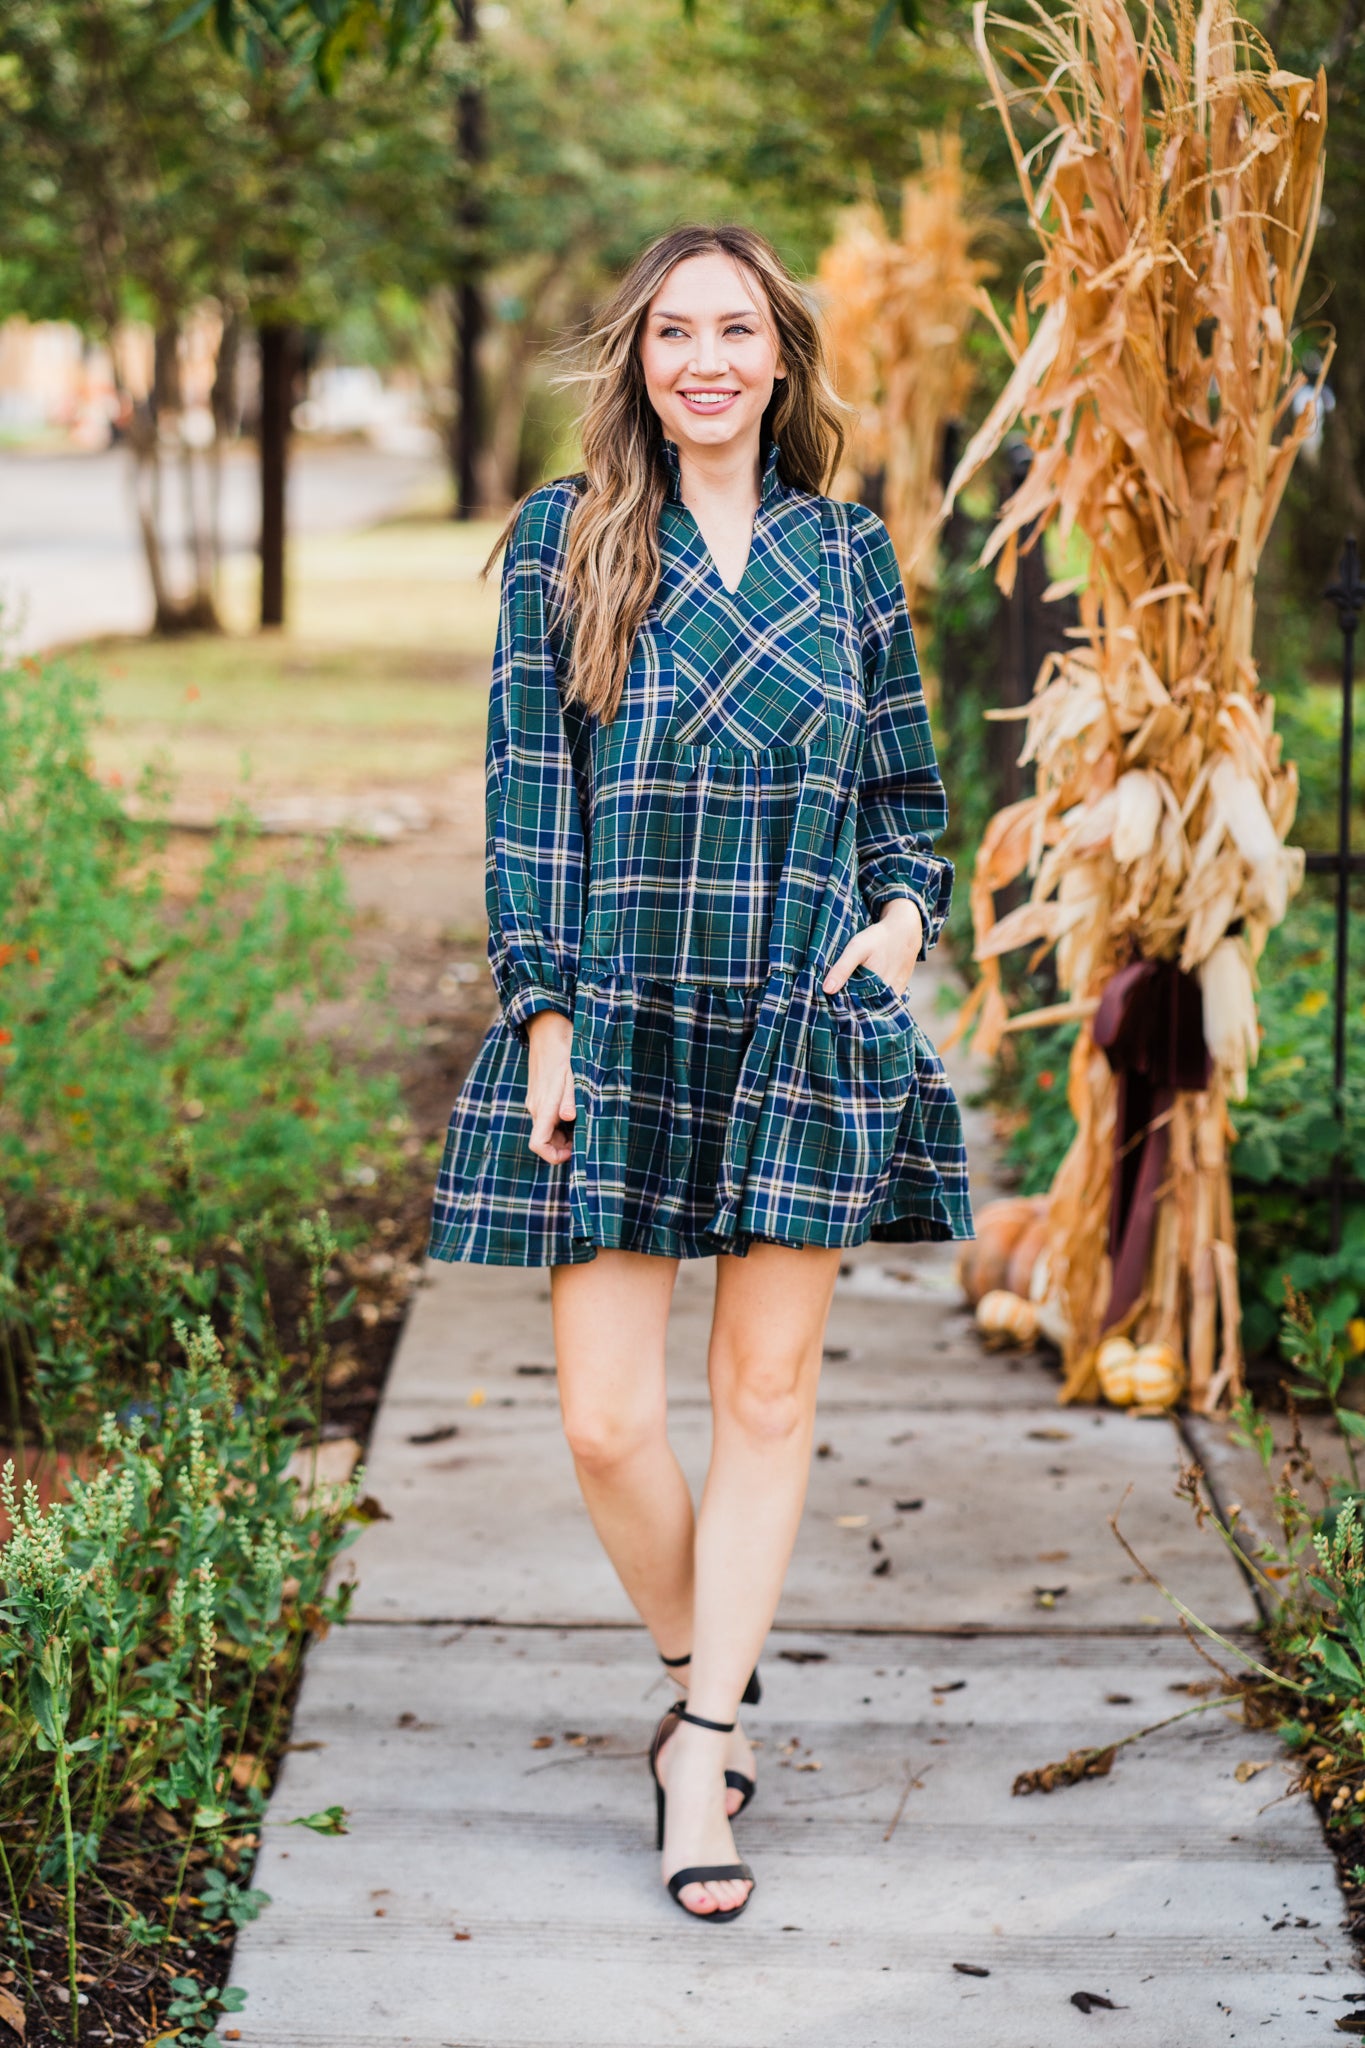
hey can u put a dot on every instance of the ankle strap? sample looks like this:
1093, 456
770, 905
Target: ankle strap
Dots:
752, 1693
699, 1721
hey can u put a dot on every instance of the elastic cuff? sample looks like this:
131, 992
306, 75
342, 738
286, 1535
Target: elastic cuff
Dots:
524, 1002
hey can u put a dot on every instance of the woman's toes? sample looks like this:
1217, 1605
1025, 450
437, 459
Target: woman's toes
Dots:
734, 1799
697, 1899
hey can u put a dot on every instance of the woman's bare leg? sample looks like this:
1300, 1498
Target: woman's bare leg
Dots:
766, 1343
610, 1324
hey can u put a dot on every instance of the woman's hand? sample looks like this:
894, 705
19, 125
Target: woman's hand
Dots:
890, 947
549, 1086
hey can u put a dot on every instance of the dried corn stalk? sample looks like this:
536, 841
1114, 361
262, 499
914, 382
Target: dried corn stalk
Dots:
896, 314
1181, 181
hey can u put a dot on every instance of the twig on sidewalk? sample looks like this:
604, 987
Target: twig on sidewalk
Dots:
912, 1784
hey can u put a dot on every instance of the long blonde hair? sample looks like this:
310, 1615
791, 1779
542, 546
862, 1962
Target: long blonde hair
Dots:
611, 565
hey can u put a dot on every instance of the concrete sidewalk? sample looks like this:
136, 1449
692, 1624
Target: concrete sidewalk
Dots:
484, 1720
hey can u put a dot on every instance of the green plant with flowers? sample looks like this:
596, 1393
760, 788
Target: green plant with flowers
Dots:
150, 1626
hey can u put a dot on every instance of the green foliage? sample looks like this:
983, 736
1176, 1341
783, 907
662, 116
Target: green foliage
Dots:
139, 1619
1033, 1068
1287, 1135
155, 1057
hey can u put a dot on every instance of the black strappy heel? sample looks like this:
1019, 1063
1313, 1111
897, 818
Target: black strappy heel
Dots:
750, 1697
700, 1873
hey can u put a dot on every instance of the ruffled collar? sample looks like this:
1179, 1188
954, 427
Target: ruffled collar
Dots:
770, 484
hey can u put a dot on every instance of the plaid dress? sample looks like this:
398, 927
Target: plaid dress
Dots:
678, 880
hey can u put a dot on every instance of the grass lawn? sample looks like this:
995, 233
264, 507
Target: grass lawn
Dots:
380, 679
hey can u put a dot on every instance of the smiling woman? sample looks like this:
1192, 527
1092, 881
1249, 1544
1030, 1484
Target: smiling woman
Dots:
712, 805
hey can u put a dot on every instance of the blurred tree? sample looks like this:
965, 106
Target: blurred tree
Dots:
154, 178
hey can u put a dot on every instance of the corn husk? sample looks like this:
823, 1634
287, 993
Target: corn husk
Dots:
1175, 197
896, 311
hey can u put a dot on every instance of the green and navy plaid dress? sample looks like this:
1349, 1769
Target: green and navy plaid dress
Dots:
678, 881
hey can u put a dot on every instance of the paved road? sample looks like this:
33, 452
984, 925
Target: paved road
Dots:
71, 564
484, 1717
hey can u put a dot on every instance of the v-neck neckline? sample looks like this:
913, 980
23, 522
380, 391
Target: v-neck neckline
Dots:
770, 488
711, 562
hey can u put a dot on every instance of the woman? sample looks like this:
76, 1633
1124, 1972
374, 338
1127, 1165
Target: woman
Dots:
712, 802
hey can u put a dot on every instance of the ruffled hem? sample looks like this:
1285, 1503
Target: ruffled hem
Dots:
711, 1118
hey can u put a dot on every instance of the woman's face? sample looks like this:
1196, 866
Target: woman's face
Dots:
710, 353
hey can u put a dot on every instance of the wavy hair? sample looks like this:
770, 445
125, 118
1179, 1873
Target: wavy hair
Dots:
611, 564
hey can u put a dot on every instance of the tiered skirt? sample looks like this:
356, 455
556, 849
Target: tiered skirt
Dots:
710, 1117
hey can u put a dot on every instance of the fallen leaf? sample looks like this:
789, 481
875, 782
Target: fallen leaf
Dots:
824, 1450
1051, 1436
460, 1935
881, 1571
1351, 2023
1075, 1765
851, 1521
1053, 1556
1088, 2001
476, 1400
530, 1372
1118, 1699
804, 1656
1047, 1596
907, 1507
12, 2012
543, 1742
1249, 1770
368, 1509
971, 1969
811, 1764
437, 1435
950, 1685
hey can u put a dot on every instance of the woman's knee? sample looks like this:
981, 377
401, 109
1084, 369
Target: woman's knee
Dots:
767, 1396
604, 1439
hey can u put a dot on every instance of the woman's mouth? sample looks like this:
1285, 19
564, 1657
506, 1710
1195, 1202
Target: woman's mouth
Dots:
708, 401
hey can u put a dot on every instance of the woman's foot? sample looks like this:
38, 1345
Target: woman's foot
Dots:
696, 1826
739, 1755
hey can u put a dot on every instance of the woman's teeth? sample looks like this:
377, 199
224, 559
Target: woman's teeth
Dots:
708, 398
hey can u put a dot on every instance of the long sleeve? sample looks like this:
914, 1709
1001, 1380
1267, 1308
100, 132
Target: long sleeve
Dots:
901, 803
536, 861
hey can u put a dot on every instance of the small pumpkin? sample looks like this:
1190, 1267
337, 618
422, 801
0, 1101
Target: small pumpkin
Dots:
1158, 1376
1114, 1364
1006, 1317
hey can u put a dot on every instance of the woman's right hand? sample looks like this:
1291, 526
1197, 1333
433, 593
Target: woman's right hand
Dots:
549, 1086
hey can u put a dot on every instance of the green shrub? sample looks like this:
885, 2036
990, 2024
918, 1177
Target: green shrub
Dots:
1287, 1135
154, 1057
167, 1106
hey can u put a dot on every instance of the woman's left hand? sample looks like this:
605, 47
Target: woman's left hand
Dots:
890, 947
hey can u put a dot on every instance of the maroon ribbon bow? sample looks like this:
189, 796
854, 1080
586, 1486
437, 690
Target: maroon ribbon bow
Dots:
1150, 1025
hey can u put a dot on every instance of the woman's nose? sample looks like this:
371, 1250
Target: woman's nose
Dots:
708, 360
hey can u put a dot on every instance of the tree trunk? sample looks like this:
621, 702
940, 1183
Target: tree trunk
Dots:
276, 342
467, 412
